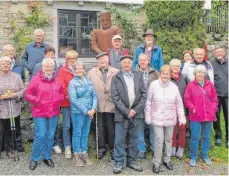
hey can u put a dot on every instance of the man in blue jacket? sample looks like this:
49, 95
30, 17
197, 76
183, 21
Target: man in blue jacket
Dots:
153, 51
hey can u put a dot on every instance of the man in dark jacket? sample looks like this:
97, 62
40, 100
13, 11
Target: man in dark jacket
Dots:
10, 51
220, 66
149, 74
129, 95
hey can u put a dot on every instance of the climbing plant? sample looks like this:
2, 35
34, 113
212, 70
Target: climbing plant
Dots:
22, 33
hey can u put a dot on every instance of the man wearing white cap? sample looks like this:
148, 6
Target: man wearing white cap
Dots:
116, 52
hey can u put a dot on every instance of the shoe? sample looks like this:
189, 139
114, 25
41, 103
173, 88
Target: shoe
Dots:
192, 163
168, 165
32, 165
68, 153
10, 154
77, 160
141, 155
180, 152
218, 142
117, 168
112, 157
157, 169
20, 148
101, 154
135, 167
173, 151
86, 159
49, 163
57, 149
207, 161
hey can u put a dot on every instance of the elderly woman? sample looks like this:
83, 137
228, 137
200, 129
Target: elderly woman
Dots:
187, 56
45, 93
11, 87
201, 100
163, 106
9, 50
83, 105
179, 130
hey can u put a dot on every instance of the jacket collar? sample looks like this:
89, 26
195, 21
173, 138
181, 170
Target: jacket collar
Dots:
150, 69
67, 69
225, 61
41, 75
206, 81
164, 84
155, 47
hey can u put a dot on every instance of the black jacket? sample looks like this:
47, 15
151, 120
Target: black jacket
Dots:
220, 77
120, 96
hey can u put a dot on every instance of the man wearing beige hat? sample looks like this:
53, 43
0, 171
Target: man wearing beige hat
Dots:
153, 51
116, 52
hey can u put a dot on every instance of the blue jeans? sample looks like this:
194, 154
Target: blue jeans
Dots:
56, 136
205, 129
142, 144
129, 130
81, 127
44, 130
66, 126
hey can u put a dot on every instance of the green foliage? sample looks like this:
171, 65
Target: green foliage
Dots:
22, 34
177, 25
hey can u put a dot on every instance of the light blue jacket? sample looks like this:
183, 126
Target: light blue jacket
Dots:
157, 60
82, 95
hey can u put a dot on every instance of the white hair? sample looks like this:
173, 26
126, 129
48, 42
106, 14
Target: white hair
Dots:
5, 59
200, 68
143, 55
48, 61
195, 50
39, 31
174, 62
79, 63
5, 47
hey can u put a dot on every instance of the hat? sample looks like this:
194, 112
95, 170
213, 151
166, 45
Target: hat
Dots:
149, 32
127, 56
116, 37
101, 54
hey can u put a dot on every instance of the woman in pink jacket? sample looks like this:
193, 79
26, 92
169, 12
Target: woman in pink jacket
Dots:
45, 93
201, 100
163, 106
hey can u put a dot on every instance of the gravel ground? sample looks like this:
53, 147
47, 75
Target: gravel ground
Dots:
65, 166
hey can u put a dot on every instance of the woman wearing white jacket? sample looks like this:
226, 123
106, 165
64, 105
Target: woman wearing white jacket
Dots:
163, 106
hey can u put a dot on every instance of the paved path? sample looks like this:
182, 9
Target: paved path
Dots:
65, 166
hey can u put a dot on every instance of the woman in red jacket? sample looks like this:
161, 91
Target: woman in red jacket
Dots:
45, 93
201, 100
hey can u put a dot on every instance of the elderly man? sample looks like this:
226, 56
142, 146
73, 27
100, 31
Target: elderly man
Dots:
101, 77
153, 51
220, 66
49, 53
9, 50
101, 38
66, 74
129, 95
34, 52
189, 69
149, 74
116, 52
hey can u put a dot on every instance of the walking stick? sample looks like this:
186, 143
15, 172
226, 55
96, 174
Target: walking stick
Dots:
97, 136
13, 129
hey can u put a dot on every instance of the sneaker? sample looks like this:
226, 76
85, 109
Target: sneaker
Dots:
86, 159
173, 151
77, 160
192, 163
57, 149
68, 153
180, 152
207, 161
218, 142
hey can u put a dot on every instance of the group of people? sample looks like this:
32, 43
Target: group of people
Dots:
128, 96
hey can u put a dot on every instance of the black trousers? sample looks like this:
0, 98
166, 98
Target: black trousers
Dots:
6, 141
223, 102
106, 131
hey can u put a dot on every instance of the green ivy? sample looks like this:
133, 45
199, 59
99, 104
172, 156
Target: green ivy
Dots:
23, 34
177, 25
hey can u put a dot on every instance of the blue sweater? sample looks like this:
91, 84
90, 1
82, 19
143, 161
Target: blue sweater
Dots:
157, 60
82, 96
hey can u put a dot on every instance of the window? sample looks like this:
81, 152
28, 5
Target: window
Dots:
74, 32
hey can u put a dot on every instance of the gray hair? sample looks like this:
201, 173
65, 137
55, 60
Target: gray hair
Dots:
200, 68
175, 62
5, 47
143, 54
39, 31
5, 59
195, 50
79, 63
48, 61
